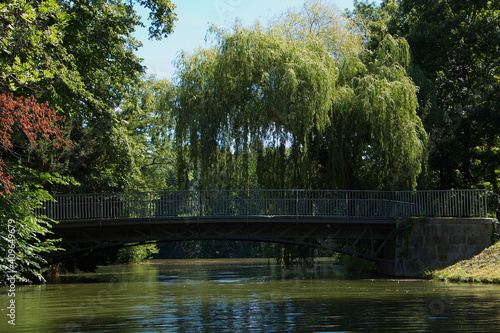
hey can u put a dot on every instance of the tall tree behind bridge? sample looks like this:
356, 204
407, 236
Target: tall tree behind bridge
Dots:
456, 47
457, 44
302, 103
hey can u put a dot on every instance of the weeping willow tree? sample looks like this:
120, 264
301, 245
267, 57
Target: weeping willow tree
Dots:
253, 96
290, 106
376, 140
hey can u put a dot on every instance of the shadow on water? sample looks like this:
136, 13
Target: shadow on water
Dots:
249, 296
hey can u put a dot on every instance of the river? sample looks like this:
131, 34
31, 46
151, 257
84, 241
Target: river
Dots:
247, 295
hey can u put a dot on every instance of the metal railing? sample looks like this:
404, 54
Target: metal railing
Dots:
320, 203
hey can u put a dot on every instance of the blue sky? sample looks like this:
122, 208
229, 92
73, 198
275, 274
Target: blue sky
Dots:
195, 16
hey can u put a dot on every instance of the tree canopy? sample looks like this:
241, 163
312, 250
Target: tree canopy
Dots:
79, 56
290, 106
455, 47
465, 70
65, 68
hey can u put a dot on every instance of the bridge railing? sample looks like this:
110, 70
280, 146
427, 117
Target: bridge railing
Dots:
321, 203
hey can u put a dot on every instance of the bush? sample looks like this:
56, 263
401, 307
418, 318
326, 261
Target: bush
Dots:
137, 253
358, 265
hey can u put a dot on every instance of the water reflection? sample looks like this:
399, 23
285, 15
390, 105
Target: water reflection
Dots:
249, 296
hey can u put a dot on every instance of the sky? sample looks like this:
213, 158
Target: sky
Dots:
194, 19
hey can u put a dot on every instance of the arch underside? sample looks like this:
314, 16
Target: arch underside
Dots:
362, 238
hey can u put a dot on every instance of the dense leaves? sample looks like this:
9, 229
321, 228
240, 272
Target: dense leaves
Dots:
27, 117
26, 126
146, 117
377, 139
79, 56
253, 89
65, 68
292, 107
136, 254
456, 46
30, 44
25, 237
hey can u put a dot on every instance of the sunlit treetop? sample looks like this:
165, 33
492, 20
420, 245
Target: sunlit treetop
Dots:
301, 103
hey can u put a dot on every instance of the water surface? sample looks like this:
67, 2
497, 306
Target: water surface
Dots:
231, 295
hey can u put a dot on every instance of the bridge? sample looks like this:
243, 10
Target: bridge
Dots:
361, 223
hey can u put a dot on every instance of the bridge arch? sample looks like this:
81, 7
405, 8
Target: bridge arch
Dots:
362, 238
361, 223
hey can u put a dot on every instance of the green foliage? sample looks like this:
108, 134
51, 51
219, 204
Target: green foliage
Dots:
320, 19
378, 140
162, 17
254, 88
291, 107
455, 46
79, 57
98, 35
31, 43
25, 236
146, 115
136, 254
357, 265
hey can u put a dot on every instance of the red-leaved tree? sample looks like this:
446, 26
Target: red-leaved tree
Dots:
35, 121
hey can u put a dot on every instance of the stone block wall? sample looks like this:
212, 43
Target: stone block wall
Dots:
431, 243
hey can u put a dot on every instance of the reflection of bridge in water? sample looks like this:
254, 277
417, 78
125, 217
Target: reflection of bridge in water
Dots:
361, 223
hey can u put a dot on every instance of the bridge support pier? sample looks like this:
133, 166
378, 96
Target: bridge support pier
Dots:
424, 244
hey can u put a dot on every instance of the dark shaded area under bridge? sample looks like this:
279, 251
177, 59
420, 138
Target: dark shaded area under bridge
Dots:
361, 223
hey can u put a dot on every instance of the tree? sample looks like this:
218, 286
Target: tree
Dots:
98, 36
26, 235
378, 140
35, 122
78, 57
31, 44
25, 125
253, 89
146, 115
283, 107
323, 20
456, 46
137, 253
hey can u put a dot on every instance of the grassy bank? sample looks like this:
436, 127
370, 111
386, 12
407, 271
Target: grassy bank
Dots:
484, 267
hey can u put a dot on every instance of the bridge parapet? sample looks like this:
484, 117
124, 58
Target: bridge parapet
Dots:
241, 203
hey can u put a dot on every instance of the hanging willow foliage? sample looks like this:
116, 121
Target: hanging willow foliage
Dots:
253, 92
269, 110
377, 141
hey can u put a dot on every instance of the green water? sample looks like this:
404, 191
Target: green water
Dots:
247, 296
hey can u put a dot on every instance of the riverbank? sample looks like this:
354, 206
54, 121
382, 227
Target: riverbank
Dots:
484, 267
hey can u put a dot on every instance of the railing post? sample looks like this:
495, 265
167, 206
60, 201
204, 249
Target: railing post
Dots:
150, 204
486, 203
200, 203
297, 204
